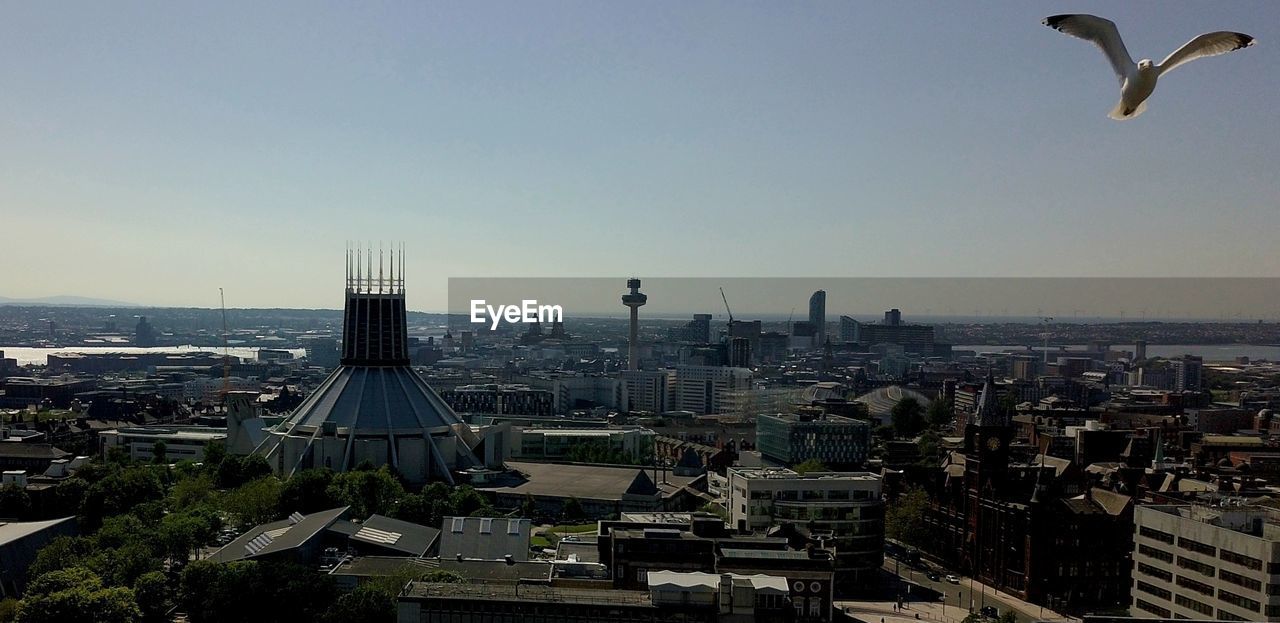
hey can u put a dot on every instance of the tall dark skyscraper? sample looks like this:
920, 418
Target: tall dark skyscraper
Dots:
818, 316
144, 334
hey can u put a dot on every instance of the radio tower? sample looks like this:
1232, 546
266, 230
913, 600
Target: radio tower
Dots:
635, 300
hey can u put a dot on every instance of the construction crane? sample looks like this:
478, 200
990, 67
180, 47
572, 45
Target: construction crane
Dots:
226, 349
728, 336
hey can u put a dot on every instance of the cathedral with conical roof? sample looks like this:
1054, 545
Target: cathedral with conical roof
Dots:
373, 408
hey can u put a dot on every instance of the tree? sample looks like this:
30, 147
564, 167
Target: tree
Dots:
8, 609
440, 576
159, 452
573, 510
374, 604
466, 501
415, 508
249, 590
14, 502
904, 517
76, 595
714, 509
1008, 617
119, 531
907, 417
124, 565
121, 491
178, 535
528, 506
67, 497
366, 491
60, 553
929, 444
307, 492
254, 502
940, 414
152, 594
811, 465
214, 453
234, 471
193, 490
428, 508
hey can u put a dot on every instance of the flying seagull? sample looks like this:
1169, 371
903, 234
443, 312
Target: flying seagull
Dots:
1137, 81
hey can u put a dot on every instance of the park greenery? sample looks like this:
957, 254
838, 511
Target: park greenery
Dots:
907, 417
904, 518
142, 525
811, 465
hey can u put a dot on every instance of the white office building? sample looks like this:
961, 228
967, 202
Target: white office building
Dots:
708, 389
1206, 562
645, 390
842, 510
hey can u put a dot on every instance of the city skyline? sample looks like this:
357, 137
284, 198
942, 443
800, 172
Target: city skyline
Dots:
684, 136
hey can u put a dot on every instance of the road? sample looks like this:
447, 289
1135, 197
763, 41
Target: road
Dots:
959, 597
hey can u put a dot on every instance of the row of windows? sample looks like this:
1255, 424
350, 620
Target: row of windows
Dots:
1198, 567
1240, 580
1247, 562
1199, 587
1152, 533
1223, 615
1237, 600
1154, 572
1152, 608
1156, 553
1162, 593
1198, 606
1198, 547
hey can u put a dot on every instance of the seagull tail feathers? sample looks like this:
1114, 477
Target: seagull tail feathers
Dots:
1120, 114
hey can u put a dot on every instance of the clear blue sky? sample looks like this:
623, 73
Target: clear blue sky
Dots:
154, 152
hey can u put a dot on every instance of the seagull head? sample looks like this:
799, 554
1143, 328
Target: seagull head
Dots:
1145, 63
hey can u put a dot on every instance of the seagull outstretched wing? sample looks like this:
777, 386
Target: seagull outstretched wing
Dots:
1208, 44
1102, 33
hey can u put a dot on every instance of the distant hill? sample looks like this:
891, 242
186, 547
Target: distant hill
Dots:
66, 301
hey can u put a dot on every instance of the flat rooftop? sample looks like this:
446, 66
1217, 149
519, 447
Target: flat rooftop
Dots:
658, 518
594, 482
16, 530
781, 473
375, 566
1251, 519
194, 434
815, 419
527, 593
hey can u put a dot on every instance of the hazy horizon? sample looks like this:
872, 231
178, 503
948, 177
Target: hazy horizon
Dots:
153, 153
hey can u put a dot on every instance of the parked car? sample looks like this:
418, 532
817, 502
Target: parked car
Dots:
933, 577
954, 579
990, 612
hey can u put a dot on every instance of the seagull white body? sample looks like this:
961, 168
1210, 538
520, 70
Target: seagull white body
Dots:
1138, 80
1135, 89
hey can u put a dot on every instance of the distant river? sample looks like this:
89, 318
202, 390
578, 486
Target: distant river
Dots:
1210, 352
27, 355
